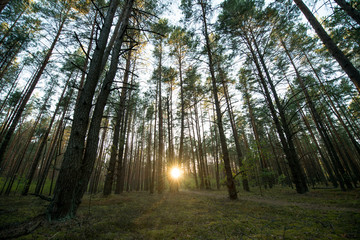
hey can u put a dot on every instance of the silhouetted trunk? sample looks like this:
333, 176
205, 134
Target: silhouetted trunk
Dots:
93, 133
42, 144
214, 140
321, 128
340, 57
182, 117
3, 4
193, 156
29, 92
147, 177
352, 12
243, 174
65, 201
160, 177
123, 151
198, 158
282, 127
114, 148
229, 179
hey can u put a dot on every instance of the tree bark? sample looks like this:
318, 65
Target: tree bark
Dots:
160, 177
281, 125
42, 144
64, 204
319, 125
244, 179
114, 148
3, 4
229, 178
92, 141
352, 12
340, 57
26, 98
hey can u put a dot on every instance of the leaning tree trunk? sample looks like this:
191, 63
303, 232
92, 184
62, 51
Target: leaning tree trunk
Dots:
114, 148
340, 57
182, 119
320, 126
64, 203
26, 98
42, 144
352, 12
3, 4
282, 128
92, 141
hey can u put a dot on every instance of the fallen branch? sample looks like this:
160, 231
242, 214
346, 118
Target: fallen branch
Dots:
41, 196
22, 229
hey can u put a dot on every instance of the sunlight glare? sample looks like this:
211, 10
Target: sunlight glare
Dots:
175, 172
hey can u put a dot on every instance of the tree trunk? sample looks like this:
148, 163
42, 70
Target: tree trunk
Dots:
282, 127
244, 179
340, 57
123, 151
42, 144
351, 11
229, 178
92, 141
29, 92
64, 204
182, 117
319, 125
114, 148
147, 178
3, 4
160, 177
193, 155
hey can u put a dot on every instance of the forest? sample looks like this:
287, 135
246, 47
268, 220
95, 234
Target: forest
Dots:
128, 119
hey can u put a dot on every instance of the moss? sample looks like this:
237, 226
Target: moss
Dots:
198, 215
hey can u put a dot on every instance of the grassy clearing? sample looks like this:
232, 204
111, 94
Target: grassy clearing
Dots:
278, 214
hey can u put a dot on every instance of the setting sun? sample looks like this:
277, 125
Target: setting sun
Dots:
175, 172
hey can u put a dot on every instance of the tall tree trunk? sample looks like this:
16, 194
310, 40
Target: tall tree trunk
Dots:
182, 117
147, 178
229, 178
153, 172
42, 144
92, 141
160, 177
26, 98
340, 57
351, 11
193, 155
214, 137
319, 125
64, 204
319, 149
87, 58
3, 4
338, 115
282, 127
198, 157
114, 148
243, 174
95, 177
254, 127
123, 151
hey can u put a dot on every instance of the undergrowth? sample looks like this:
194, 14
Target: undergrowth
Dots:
277, 214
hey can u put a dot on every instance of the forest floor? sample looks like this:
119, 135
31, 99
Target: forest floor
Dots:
279, 213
